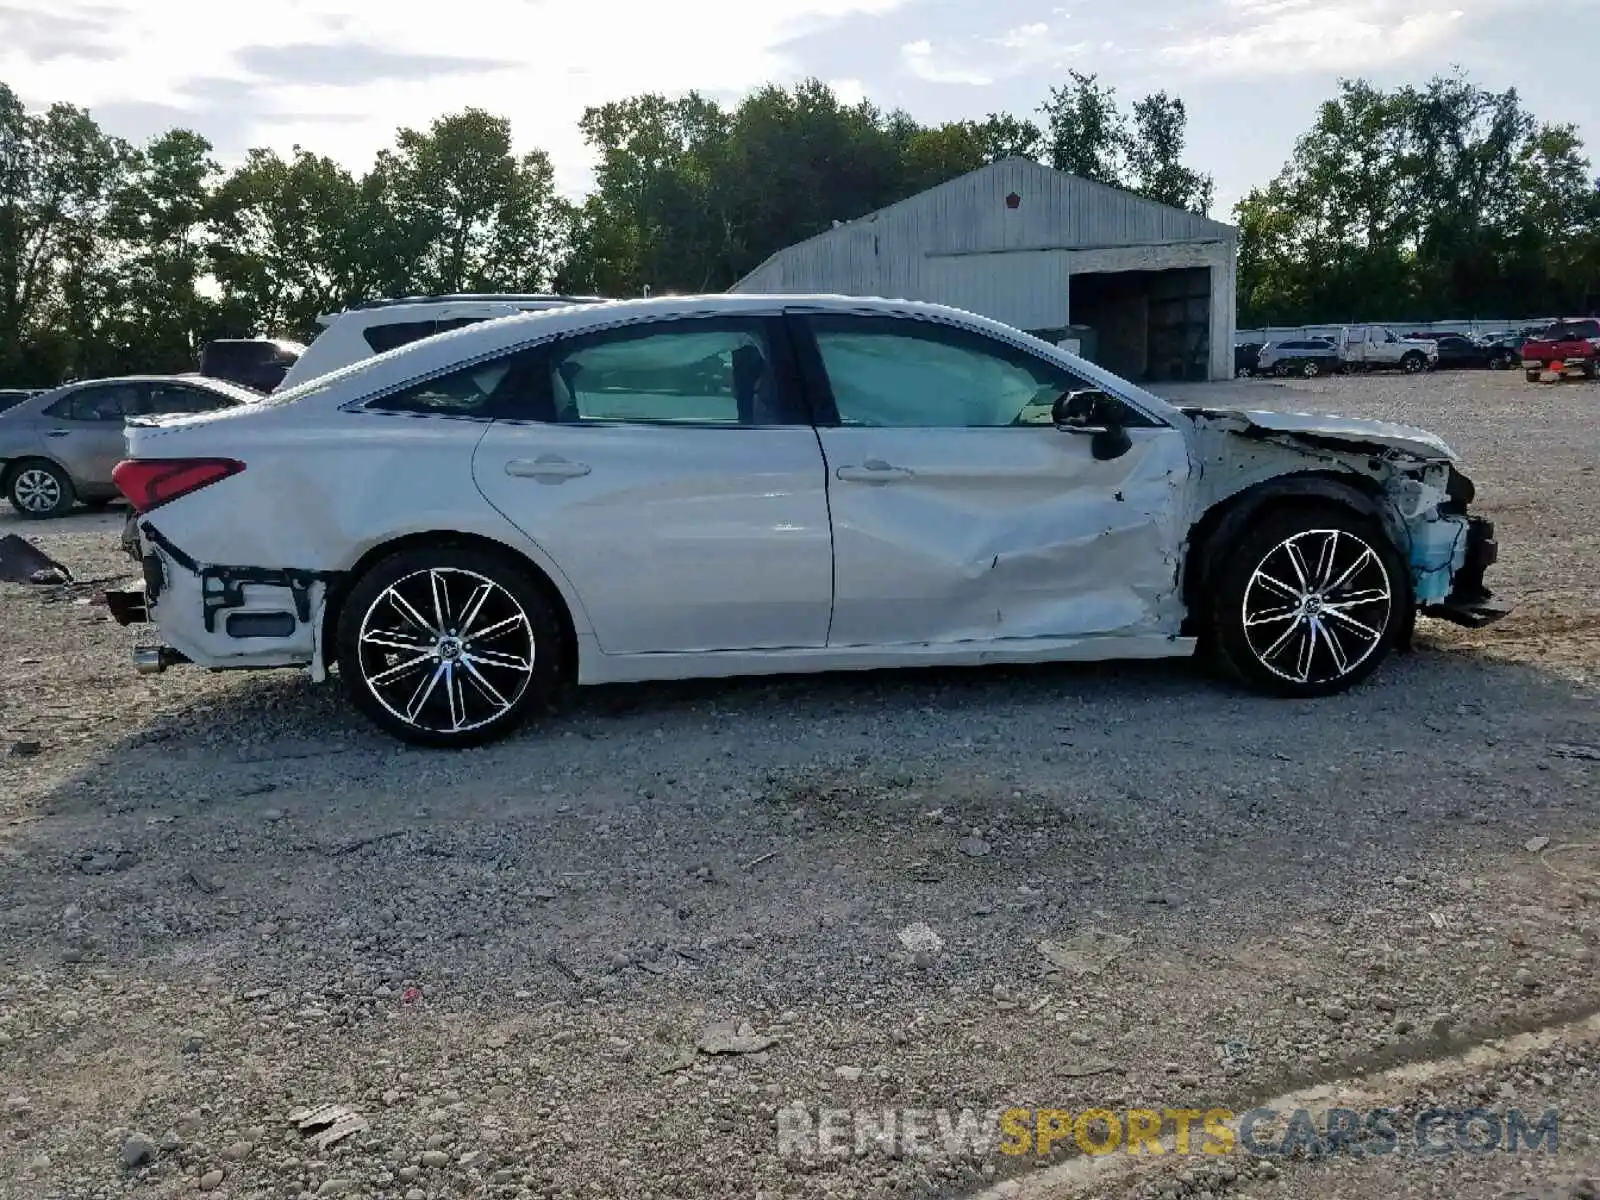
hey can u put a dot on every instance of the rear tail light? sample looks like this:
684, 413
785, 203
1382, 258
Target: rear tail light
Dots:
149, 482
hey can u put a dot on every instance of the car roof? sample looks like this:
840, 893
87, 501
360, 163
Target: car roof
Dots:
192, 379
444, 351
411, 308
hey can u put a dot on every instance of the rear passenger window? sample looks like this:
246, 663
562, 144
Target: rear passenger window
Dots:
498, 387
107, 402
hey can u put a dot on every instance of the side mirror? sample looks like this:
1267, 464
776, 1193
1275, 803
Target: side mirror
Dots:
1093, 412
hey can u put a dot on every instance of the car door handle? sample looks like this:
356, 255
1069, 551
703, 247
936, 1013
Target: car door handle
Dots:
874, 470
549, 468
59, 433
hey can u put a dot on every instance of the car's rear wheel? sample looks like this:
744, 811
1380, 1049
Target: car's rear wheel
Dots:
1309, 602
1532, 376
39, 489
1311, 369
448, 647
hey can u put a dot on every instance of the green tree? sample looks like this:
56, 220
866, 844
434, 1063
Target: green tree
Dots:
285, 243
1087, 134
656, 217
1155, 155
58, 175
1438, 201
458, 211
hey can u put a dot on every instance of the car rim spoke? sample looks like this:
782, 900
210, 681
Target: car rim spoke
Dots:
1361, 560
409, 611
424, 690
475, 603
1331, 639
493, 658
398, 639
1273, 616
1336, 620
441, 600
399, 669
1326, 559
1283, 589
498, 628
428, 672
454, 694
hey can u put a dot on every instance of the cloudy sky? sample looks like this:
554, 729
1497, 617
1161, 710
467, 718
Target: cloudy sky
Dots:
338, 76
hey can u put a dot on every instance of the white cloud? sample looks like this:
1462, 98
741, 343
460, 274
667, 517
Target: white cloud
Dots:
983, 61
539, 62
1280, 37
849, 91
921, 61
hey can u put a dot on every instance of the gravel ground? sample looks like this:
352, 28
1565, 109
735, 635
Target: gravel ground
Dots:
594, 961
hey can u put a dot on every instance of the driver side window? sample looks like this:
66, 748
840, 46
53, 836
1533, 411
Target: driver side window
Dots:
889, 372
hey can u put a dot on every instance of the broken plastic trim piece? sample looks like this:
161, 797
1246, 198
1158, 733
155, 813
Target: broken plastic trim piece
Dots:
222, 588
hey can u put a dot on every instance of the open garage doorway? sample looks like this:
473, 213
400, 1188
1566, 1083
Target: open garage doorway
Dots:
1149, 326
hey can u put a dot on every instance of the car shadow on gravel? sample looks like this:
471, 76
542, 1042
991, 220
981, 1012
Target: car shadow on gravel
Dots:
647, 824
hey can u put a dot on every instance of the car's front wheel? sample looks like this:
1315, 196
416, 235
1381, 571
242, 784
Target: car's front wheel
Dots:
1311, 369
448, 647
1309, 602
1414, 363
40, 489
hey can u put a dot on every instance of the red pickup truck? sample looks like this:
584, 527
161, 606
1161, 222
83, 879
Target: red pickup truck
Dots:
1566, 346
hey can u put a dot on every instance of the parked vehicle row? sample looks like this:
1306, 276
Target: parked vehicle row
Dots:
1571, 346
1360, 348
1568, 348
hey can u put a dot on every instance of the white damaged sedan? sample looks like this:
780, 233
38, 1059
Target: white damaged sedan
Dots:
731, 485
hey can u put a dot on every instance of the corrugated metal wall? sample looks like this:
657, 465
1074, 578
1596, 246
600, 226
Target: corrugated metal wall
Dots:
961, 244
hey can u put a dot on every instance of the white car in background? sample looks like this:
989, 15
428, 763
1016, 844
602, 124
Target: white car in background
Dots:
379, 326
728, 485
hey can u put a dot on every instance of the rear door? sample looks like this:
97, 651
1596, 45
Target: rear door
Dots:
83, 430
961, 513
670, 470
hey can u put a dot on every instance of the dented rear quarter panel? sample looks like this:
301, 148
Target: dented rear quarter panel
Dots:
337, 486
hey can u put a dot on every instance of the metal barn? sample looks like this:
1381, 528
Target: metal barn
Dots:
1145, 290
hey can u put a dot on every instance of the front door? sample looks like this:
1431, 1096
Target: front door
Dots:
675, 478
960, 513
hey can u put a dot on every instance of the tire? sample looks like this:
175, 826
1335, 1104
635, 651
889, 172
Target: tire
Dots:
430, 687
39, 489
1281, 370
1414, 363
1343, 650
1311, 368
1532, 376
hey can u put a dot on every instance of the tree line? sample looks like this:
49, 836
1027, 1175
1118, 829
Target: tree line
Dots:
1444, 200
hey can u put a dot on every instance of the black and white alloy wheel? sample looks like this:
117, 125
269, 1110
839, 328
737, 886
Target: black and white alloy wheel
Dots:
1317, 606
1309, 603
447, 648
